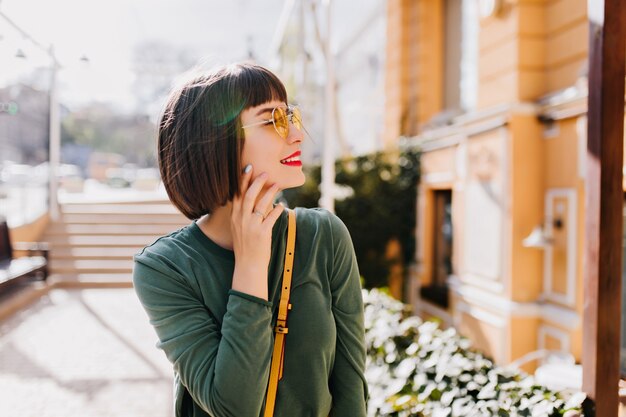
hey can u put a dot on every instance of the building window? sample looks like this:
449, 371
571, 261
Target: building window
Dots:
460, 55
437, 290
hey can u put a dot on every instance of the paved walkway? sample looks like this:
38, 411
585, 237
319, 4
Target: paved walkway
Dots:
83, 353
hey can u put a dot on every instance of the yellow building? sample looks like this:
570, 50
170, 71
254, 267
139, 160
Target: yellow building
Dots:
494, 93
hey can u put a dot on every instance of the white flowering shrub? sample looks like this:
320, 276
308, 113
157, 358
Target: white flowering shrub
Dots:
414, 368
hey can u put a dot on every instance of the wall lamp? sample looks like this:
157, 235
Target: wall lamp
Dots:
541, 237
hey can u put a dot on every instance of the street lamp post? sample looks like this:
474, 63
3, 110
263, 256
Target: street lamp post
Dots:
55, 138
54, 122
327, 199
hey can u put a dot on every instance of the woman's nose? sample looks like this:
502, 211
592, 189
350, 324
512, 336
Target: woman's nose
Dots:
295, 134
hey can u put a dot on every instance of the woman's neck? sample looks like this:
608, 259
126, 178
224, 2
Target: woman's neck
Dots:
216, 226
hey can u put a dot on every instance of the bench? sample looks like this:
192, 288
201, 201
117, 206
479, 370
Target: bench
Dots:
15, 270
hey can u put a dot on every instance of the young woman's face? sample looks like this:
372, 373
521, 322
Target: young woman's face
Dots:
268, 152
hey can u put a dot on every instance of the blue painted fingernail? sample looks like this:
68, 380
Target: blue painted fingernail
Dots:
247, 169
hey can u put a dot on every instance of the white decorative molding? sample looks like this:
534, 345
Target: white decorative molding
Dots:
566, 103
481, 314
485, 317
497, 123
438, 177
471, 123
506, 231
484, 297
447, 136
453, 139
482, 237
470, 27
430, 309
562, 316
493, 301
461, 160
479, 281
562, 336
524, 108
570, 224
581, 133
498, 111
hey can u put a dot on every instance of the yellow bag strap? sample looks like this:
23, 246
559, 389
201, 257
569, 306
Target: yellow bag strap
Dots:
278, 354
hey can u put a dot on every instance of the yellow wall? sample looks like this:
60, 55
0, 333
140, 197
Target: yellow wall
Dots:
527, 179
485, 336
439, 163
566, 42
523, 337
414, 66
521, 165
563, 147
531, 49
498, 59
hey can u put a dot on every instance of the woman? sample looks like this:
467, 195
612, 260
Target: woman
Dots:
228, 143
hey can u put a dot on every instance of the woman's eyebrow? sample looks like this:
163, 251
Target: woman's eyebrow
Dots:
265, 110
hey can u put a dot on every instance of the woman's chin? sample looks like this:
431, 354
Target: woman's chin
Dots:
294, 183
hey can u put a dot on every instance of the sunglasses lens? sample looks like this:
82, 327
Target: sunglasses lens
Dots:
281, 122
296, 118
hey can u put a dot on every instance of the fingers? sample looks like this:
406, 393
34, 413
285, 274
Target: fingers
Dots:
245, 182
271, 218
252, 193
263, 203
249, 201
245, 178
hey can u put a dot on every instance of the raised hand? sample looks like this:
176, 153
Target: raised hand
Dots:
252, 220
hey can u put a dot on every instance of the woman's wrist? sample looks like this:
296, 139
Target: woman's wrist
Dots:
251, 279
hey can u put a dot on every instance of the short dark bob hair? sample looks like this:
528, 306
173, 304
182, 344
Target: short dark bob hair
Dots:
200, 139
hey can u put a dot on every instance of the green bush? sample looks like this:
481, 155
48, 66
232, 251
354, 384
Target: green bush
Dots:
381, 206
414, 368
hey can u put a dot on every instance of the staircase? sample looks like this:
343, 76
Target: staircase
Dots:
93, 243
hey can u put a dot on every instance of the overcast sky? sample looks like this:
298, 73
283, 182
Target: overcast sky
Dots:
106, 31
219, 31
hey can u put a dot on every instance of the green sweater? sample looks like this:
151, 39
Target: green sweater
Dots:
220, 340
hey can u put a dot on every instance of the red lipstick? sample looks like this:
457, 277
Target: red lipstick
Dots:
292, 160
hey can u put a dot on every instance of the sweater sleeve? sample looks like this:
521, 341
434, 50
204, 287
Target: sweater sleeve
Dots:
347, 381
224, 369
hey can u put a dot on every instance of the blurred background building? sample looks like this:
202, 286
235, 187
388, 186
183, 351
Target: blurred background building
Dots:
494, 93
81, 88
108, 88
111, 86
